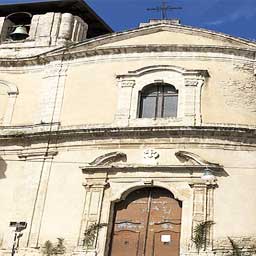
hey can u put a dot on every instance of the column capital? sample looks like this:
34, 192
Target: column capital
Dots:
91, 184
127, 83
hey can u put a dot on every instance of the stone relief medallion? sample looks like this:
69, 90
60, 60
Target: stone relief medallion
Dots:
150, 156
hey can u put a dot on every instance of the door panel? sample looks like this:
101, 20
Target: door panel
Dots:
147, 223
126, 243
165, 243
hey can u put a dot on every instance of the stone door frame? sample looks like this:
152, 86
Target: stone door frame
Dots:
107, 185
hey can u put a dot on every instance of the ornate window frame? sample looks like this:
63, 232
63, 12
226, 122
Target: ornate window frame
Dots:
188, 82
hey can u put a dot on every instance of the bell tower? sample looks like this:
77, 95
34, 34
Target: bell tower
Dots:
51, 24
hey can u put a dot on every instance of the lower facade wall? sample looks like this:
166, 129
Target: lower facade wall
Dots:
66, 191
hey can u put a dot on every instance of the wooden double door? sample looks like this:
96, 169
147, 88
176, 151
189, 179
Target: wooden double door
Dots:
147, 223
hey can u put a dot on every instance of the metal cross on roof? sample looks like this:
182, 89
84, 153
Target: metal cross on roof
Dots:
164, 8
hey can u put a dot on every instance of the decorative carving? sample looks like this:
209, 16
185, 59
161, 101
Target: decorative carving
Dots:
150, 154
195, 159
91, 183
109, 158
191, 82
148, 182
128, 83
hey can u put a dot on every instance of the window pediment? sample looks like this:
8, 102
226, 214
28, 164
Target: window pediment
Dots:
158, 68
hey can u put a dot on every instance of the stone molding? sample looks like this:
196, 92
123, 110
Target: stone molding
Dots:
68, 55
175, 169
244, 135
37, 155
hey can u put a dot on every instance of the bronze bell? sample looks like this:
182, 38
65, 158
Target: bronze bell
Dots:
20, 33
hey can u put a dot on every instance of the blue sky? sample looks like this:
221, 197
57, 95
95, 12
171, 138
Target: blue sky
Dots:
234, 17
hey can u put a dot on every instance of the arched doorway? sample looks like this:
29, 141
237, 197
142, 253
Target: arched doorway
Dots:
147, 223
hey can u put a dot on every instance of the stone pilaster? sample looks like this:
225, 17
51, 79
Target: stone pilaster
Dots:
10, 108
1, 24
66, 26
92, 209
199, 202
37, 211
55, 28
192, 106
124, 101
79, 30
4, 25
52, 92
210, 214
44, 29
203, 209
33, 27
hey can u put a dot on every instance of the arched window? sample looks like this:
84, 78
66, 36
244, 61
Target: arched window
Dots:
158, 100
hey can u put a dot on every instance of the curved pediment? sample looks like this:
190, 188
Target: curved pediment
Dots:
158, 68
194, 159
109, 158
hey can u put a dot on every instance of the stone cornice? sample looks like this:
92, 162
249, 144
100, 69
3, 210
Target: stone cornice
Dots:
145, 168
95, 46
240, 135
44, 59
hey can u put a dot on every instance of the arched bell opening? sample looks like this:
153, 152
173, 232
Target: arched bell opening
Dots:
146, 222
17, 26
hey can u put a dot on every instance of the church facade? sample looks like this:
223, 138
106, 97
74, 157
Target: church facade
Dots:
140, 142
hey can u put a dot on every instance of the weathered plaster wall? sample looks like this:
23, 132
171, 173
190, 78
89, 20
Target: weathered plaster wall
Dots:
90, 94
227, 97
12, 179
65, 199
26, 106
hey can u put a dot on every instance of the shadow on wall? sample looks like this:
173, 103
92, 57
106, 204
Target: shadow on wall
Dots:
3, 167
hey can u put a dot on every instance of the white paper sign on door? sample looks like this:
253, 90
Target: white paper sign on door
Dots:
165, 238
